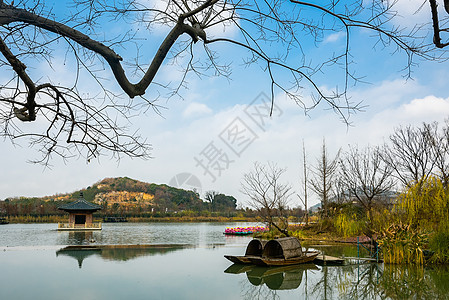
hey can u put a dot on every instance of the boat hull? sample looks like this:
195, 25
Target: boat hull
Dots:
264, 261
242, 260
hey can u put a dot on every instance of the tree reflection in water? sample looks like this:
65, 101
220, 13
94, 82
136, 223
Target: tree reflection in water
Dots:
415, 282
359, 281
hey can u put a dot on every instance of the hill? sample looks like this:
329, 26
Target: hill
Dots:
130, 193
123, 195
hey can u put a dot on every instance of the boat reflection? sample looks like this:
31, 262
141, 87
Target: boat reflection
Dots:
116, 252
275, 278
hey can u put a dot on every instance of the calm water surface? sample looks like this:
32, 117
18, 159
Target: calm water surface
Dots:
35, 265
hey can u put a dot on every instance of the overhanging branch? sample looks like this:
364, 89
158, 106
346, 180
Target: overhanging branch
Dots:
10, 14
435, 22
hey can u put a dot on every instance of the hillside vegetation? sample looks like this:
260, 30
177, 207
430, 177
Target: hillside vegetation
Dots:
125, 196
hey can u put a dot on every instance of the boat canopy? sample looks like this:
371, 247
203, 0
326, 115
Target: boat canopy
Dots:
284, 248
255, 248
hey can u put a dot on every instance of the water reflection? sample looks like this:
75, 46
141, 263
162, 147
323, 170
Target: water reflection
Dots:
378, 281
359, 281
80, 237
312, 281
79, 255
116, 252
415, 282
275, 278
105, 272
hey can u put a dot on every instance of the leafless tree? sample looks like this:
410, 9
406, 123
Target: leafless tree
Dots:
367, 178
439, 142
340, 193
305, 183
69, 120
323, 178
267, 194
409, 153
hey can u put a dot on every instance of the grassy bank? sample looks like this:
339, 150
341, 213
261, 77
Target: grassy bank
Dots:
36, 219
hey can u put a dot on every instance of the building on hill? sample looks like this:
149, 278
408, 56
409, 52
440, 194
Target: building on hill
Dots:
80, 215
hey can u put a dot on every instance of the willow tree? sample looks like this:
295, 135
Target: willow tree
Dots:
425, 204
279, 36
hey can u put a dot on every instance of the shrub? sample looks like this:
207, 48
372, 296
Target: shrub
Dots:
401, 244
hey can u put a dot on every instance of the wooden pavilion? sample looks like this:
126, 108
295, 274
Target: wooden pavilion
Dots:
80, 215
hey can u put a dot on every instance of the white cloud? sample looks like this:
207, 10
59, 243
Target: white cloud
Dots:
412, 12
175, 149
335, 37
430, 107
196, 109
188, 126
415, 112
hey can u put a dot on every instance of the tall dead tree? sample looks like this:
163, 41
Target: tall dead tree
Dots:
323, 178
305, 183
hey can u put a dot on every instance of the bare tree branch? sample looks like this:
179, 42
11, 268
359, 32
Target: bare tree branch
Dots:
30, 31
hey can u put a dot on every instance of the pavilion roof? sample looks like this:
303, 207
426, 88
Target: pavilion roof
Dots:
80, 205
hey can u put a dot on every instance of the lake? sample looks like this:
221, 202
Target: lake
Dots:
185, 261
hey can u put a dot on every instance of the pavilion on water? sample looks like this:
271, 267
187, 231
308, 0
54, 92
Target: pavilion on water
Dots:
80, 215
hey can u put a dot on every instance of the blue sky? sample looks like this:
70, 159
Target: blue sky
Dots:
212, 107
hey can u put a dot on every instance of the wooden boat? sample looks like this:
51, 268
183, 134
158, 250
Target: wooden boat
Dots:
279, 252
253, 250
304, 258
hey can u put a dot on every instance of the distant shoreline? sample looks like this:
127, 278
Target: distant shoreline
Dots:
182, 219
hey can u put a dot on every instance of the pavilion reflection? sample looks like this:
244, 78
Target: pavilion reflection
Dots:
116, 252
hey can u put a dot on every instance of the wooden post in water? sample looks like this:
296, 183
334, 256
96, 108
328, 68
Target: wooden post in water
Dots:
358, 251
